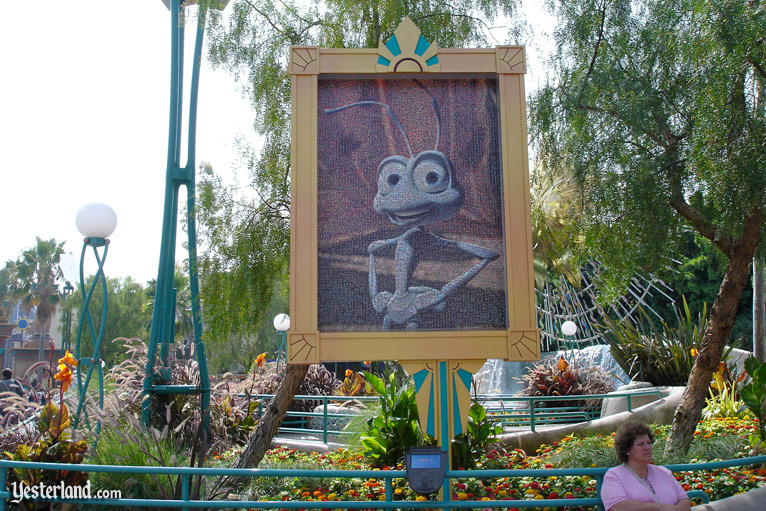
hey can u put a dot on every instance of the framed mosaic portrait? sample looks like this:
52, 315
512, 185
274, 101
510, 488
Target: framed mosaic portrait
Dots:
411, 233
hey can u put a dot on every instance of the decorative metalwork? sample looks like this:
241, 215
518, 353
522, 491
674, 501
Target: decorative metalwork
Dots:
559, 302
510, 59
304, 60
93, 362
407, 51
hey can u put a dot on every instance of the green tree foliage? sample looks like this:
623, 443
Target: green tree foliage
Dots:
652, 102
127, 316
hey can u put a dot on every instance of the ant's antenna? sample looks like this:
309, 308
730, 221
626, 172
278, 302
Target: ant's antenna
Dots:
435, 106
388, 109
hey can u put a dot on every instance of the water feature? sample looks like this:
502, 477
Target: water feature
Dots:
499, 377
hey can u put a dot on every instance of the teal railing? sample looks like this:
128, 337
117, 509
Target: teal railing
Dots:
534, 415
186, 474
500, 406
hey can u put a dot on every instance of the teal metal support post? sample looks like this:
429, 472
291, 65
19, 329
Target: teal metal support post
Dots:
66, 335
94, 361
162, 336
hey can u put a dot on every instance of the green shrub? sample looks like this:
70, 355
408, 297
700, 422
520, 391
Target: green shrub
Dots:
468, 447
659, 354
754, 396
584, 452
391, 433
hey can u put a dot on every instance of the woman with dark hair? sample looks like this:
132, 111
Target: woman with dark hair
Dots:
637, 485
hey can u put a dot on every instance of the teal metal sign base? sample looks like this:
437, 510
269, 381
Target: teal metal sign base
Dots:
157, 378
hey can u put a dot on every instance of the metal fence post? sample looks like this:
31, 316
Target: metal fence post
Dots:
3, 480
324, 419
185, 490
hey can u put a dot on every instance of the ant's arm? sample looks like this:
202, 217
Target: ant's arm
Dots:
485, 256
372, 248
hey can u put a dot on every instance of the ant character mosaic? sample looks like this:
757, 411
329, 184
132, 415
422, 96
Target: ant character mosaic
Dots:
409, 200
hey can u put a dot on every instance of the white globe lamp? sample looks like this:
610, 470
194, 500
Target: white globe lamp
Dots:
282, 322
569, 328
96, 220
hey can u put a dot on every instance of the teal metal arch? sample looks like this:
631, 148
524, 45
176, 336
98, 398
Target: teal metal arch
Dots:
157, 376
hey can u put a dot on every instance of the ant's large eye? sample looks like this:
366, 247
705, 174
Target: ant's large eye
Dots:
430, 176
389, 175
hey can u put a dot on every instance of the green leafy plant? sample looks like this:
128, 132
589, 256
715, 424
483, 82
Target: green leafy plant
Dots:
659, 354
754, 396
469, 446
354, 384
55, 444
724, 403
391, 433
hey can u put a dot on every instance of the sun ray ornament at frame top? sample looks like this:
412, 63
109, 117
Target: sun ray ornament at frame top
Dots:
407, 51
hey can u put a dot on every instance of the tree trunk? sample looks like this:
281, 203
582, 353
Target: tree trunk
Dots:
759, 311
717, 333
268, 426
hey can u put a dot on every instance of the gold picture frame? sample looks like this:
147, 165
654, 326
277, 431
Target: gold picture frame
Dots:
410, 56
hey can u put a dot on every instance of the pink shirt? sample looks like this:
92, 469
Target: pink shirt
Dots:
620, 484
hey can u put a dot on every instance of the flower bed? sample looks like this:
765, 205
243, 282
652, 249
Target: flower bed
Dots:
717, 484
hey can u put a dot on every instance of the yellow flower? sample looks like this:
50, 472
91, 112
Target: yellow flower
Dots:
64, 376
694, 352
420, 498
68, 359
462, 495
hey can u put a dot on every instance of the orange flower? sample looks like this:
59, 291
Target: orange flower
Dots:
562, 365
64, 376
367, 362
260, 359
349, 372
68, 360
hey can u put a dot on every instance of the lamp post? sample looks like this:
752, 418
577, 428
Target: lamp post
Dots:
281, 325
96, 222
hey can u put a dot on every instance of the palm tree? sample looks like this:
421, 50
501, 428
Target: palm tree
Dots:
8, 290
37, 271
